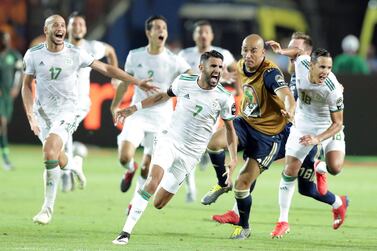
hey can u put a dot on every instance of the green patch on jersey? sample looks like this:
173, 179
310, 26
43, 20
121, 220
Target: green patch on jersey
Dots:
37, 47
221, 88
330, 84
187, 77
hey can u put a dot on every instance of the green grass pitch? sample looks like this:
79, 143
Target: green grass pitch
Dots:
90, 219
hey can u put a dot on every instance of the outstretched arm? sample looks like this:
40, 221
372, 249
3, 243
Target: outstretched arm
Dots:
114, 72
158, 98
119, 92
289, 52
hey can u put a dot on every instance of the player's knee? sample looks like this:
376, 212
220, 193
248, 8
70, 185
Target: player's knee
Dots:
124, 159
159, 204
334, 169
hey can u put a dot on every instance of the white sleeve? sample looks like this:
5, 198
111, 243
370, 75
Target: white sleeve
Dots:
182, 65
228, 58
85, 59
99, 49
29, 68
335, 99
228, 108
175, 87
128, 66
302, 62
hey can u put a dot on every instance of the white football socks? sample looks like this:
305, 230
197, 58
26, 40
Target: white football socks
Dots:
51, 179
286, 190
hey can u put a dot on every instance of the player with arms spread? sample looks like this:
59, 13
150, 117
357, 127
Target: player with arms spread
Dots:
201, 100
53, 113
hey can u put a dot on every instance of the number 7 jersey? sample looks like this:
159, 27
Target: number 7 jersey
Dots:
196, 113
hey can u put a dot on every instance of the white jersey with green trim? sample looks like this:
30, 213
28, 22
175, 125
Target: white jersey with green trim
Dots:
196, 114
97, 50
315, 101
163, 69
192, 56
56, 76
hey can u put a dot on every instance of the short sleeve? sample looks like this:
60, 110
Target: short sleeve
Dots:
335, 99
29, 68
274, 80
99, 49
174, 89
128, 66
182, 65
228, 109
228, 58
85, 58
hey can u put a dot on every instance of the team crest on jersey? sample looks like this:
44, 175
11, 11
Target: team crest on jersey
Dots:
68, 61
215, 106
251, 103
280, 80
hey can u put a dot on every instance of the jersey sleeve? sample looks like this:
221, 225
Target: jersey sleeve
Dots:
182, 65
228, 108
128, 66
335, 99
174, 88
302, 63
274, 80
99, 49
28, 64
228, 57
85, 59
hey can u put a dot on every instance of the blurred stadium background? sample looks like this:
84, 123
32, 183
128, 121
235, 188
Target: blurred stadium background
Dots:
92, 225
121, 24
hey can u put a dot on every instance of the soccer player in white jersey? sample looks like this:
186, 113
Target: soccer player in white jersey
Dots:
203, 37
318, 120
76, 30
200, 101
153, 61
53, 113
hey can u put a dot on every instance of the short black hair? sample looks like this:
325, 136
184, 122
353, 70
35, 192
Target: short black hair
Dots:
148, 22
76, 14
319, 52
308, 42
202, 23
211, 54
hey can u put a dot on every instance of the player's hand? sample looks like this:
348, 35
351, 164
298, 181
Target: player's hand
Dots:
148, 86
307, 140
288, 115
275, 46
229, 171
113, 111
34, 125
121, 115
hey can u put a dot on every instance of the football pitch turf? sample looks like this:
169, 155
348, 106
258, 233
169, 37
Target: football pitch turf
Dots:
90, 219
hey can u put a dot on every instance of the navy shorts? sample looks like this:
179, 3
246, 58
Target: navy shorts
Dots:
259, 146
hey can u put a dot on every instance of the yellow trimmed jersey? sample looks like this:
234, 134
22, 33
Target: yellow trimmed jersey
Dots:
260, 106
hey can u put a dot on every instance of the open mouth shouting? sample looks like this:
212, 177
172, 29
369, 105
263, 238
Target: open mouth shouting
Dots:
214, 78
58, 37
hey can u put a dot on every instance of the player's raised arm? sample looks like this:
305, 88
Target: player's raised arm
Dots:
114, 72
289, 52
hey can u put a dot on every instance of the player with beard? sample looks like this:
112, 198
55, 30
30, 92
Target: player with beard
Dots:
156, 62
200, 101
